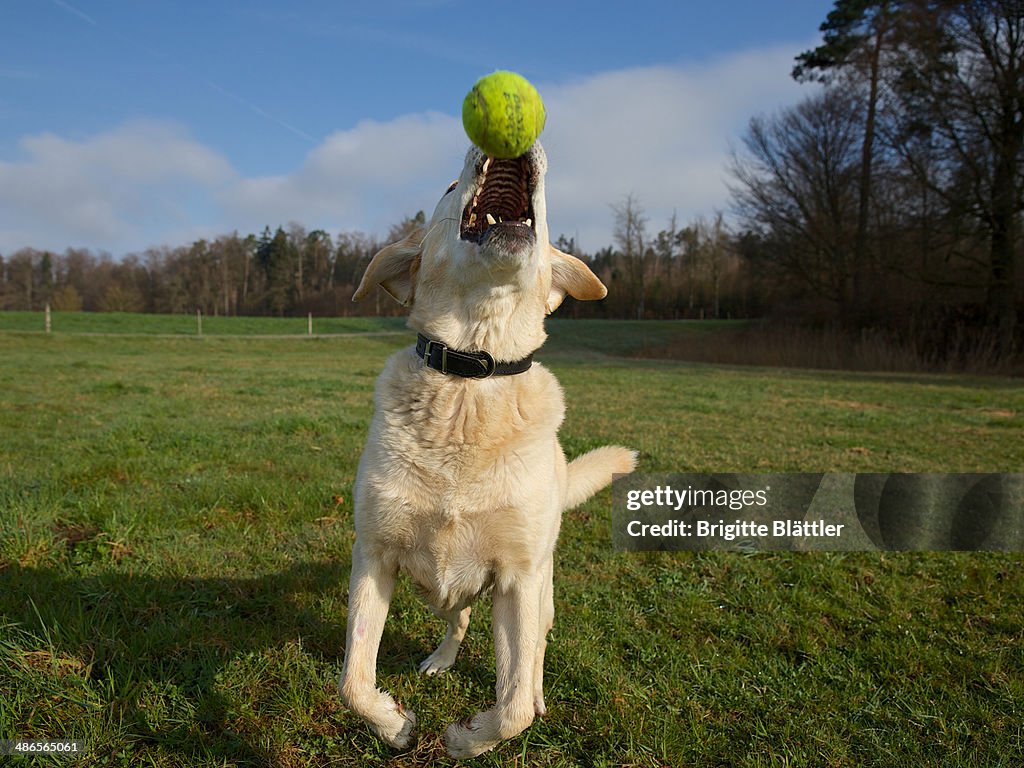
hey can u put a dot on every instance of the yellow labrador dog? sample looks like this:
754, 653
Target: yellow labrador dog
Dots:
462, 483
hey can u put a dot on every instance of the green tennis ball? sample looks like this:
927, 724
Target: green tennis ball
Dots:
503, 114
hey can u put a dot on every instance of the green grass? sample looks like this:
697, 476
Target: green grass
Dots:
175, 528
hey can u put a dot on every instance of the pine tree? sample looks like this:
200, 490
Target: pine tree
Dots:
856, 34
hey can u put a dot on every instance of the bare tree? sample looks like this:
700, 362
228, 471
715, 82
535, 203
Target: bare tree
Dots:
716, 247
859, 38
630, 236
796, 185
962, 97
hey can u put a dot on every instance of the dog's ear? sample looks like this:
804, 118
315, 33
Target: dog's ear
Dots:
394, 269
571, 276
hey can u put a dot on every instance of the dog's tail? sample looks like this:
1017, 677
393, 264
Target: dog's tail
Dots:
592, 471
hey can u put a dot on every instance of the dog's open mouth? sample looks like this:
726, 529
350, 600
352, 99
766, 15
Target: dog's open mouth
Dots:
502, 201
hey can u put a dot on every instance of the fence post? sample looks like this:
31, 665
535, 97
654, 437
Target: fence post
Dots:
199, 322
47, 317
309, 325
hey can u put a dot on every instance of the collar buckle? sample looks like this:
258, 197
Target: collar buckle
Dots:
430, 346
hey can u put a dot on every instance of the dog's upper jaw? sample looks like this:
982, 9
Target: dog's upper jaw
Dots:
503, 203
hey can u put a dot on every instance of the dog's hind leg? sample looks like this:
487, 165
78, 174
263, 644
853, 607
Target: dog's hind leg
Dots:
443, 658
370, 589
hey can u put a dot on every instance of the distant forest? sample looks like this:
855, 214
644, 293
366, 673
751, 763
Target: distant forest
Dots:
890, 198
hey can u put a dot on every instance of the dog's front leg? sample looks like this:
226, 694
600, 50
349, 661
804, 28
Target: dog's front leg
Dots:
516, 618
370, 588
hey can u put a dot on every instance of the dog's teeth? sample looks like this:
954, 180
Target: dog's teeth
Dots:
487, 164
490, 219
472, 219
529, 222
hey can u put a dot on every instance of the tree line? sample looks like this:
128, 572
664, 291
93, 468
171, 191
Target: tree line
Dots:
893, 195
286, 271
889, 197
688, 271
888, 200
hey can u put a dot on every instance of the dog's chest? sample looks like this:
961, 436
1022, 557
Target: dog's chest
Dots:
463, 431
461, 476
453, 561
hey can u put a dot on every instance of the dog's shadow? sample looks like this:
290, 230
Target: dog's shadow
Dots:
132, 634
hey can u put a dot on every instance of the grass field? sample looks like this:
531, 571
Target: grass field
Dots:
175, 527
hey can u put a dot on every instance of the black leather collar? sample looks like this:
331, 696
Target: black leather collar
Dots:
469, 365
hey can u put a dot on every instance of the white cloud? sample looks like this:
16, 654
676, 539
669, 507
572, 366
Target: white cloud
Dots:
661, 134
114, 190
366, 178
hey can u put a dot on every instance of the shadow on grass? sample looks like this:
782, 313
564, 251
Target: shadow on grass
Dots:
219, 646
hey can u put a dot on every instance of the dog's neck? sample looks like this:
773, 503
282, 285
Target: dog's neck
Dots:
505, 326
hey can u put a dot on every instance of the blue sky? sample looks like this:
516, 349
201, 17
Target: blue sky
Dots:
125, 125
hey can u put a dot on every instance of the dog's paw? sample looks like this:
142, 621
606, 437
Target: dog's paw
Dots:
439, 661
398, 727
538, 705
465, 739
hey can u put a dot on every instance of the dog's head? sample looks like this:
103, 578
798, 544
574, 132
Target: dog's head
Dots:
482, 275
